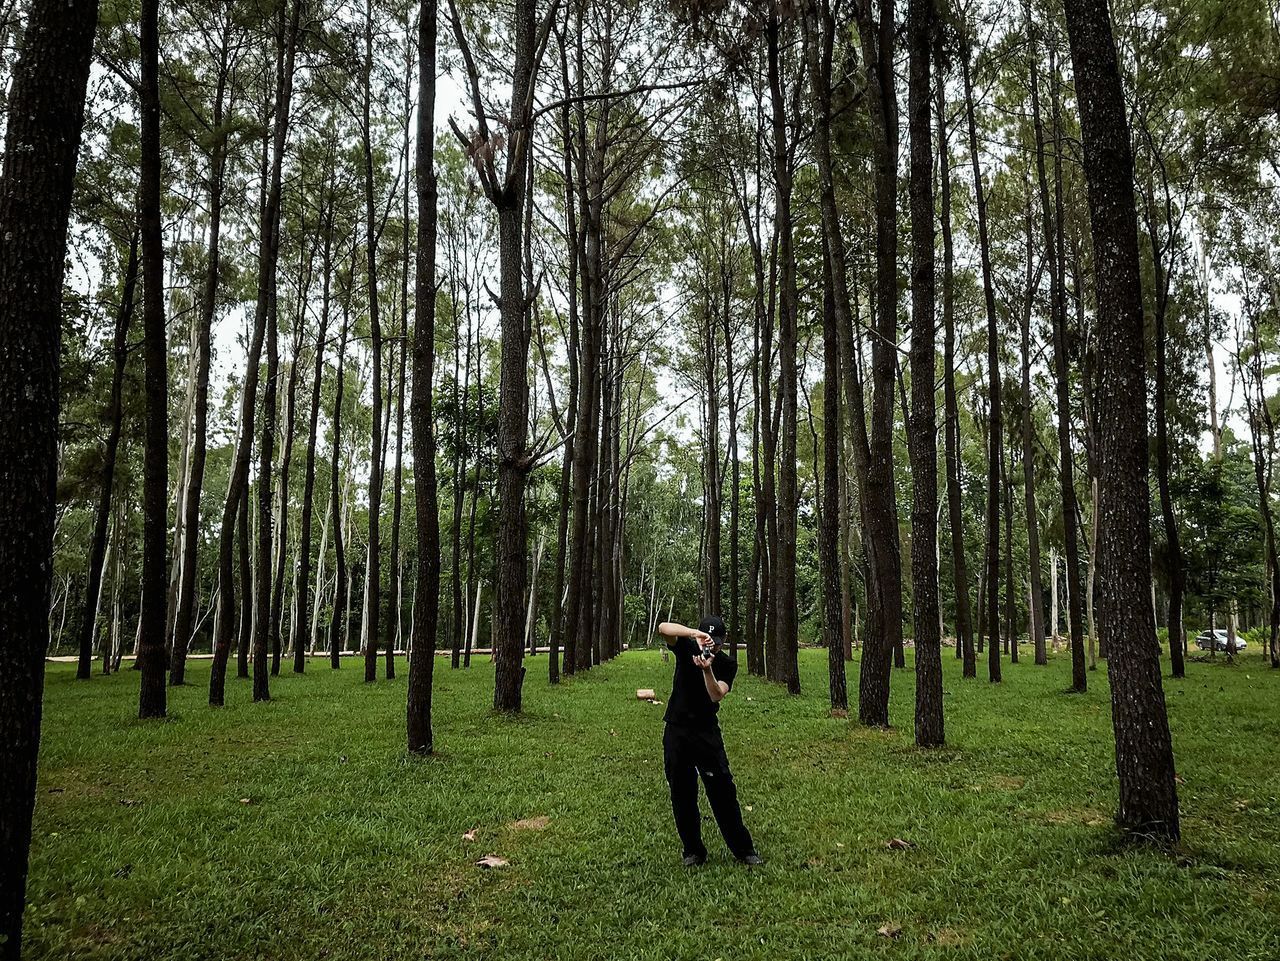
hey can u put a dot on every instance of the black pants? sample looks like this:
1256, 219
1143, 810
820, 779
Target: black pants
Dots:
686, 753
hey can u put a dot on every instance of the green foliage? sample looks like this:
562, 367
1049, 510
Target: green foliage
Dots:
1219, 505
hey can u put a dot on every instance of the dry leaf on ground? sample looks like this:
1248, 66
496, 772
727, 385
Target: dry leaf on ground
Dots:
531, 824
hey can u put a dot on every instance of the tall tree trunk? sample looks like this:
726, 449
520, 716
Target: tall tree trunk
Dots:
268, 304
597, 612
951, 426
1164, 461
427, 593
264, 569
111, 635
712, 481
981, 624
1055, 255
1144, 752
757, 595
507, 193
879, 509
922, 424
245, 558
184, 616
787, 625
459, 497
755, 659
1010, 592
848, 611
832, 438
338, 623
373, 572
286, 460
995, 432
395, 614
395, 618
1035, 606
237, 494
557, 641
472, 575
42, 139
1260, 417
1215, 428
735, 475
152, 660
578, 603
306, 601
1163, 473
102, 519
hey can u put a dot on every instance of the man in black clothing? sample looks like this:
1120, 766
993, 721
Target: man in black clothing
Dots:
691, 744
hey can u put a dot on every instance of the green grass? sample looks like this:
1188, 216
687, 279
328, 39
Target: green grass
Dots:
347, 849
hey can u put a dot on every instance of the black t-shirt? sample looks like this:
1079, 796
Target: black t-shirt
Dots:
690, 704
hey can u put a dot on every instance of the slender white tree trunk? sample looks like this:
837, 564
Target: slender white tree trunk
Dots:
475, 618
1053, 597
532, 607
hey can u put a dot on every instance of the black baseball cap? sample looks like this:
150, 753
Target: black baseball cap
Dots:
713, 625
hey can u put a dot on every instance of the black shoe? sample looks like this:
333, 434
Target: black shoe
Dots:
751, 860
694, 860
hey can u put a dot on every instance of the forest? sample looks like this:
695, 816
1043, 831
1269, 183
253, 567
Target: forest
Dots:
454, 346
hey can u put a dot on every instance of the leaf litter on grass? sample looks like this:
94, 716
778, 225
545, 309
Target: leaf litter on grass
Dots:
537, 823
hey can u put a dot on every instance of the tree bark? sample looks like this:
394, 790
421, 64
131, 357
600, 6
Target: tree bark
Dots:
1053, 219
951, 426
507, 194
556, 637
269, 250
1144, 752
42, 139
427, 593
921, 426
459, 620
1164, 459
589, 256
832, 436
102, 519
268, 305
1010, 592
306, 602
1260, 416
184, 617
373, 571
786, 667
1035, 600
879, 509
995, 431
286, 458
338, 621
152, 659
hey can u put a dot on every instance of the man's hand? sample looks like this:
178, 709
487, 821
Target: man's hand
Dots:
716, 689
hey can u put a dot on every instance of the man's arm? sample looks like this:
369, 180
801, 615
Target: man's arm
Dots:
716, 690
672, 629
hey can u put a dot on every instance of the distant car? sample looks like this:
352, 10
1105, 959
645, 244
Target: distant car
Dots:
1218, 641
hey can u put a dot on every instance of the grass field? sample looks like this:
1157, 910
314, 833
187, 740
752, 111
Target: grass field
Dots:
300, 829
